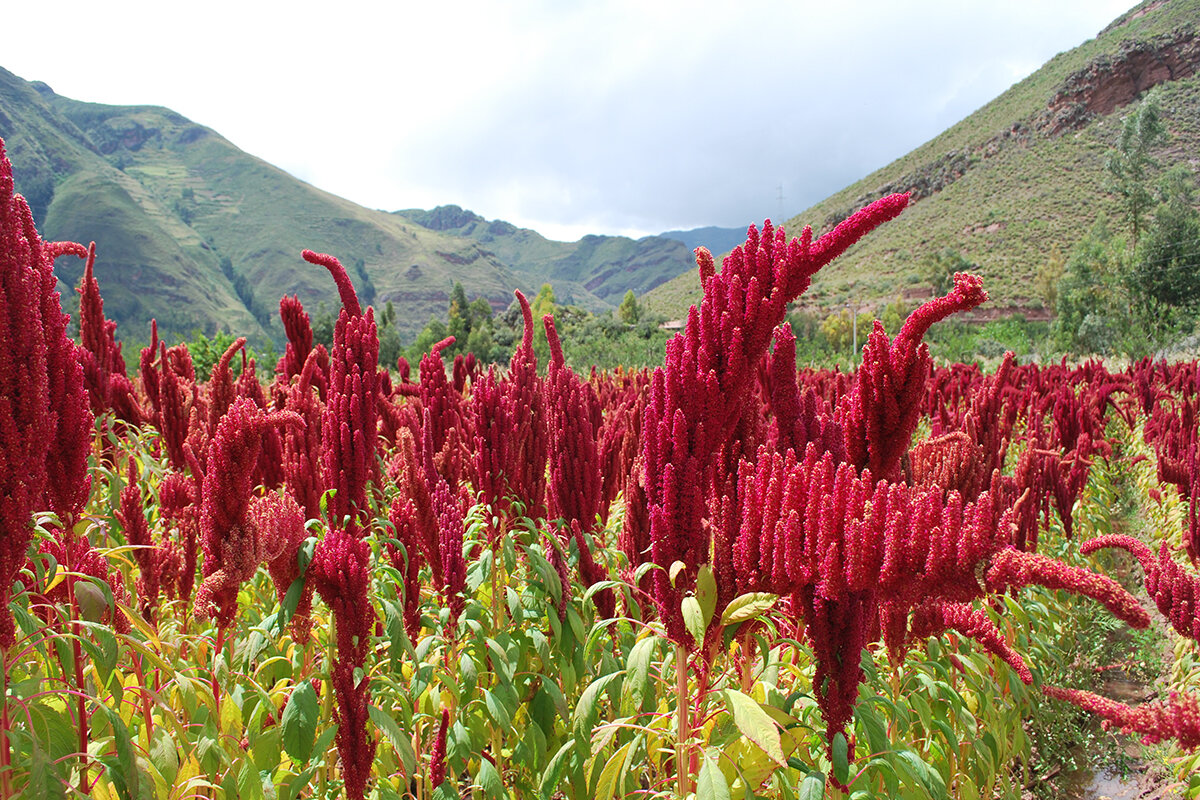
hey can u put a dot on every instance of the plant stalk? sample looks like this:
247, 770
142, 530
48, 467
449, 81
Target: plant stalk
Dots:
5, 756
681, 708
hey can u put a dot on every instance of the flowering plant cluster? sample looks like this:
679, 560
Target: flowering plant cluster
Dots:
347, 579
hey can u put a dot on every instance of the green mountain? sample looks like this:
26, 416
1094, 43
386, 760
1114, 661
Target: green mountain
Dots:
595, 271
1016, 179
198, 234
717, 240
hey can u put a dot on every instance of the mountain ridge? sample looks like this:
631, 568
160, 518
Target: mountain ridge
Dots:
1018, 177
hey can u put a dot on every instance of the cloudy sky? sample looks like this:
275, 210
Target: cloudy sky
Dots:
566, 117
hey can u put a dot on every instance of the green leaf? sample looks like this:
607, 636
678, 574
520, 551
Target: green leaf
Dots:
44, 784
122, 769
930, 779
497, 710
388, 727
583, 720
613, 774
693, 617
839, 752
706, 593
164, 754
488, 780
637, 669
552, 776
299, 723
676, 568
710, 783
249, 783
747, 606
755, 724
812, 787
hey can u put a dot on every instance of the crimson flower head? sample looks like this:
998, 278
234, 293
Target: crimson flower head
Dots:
349, 430
699, 397
882, 411
341, 573
30, 346
232, 550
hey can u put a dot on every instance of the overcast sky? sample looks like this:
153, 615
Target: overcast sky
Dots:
565, 117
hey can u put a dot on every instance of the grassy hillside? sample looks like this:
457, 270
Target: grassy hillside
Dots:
198, 234
594, 272
1019, 177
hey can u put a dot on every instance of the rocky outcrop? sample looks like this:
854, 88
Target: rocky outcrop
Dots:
1104, 85
1112, 81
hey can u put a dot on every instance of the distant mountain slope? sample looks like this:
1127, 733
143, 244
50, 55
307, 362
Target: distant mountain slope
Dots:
717, 240
198, 234
596, 270
1018, 177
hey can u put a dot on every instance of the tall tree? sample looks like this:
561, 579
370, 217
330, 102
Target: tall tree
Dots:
1129, 165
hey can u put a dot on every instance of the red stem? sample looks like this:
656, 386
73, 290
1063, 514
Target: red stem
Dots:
5, 757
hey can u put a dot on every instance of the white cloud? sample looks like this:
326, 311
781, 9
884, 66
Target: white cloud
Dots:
611, 116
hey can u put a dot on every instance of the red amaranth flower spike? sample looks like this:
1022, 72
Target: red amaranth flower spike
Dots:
26, 425
341, 573
344, 286
881, 413
108, 385
1177, 718
298, 328
437, 758
350, 424
974, 623
1012, 568
575, 484
68, 483
132, 517
279, 521
1175, 589
698, 398
232, 550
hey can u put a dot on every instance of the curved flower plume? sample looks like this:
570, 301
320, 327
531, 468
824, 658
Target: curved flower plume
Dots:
25, 421
232, 547
1175, 589
698, 396
103, 365
298, 328
881, 413
68, 483
351, 413
575, 487
847, 549
1178, 718
1012, 568
974, 623
341, 562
